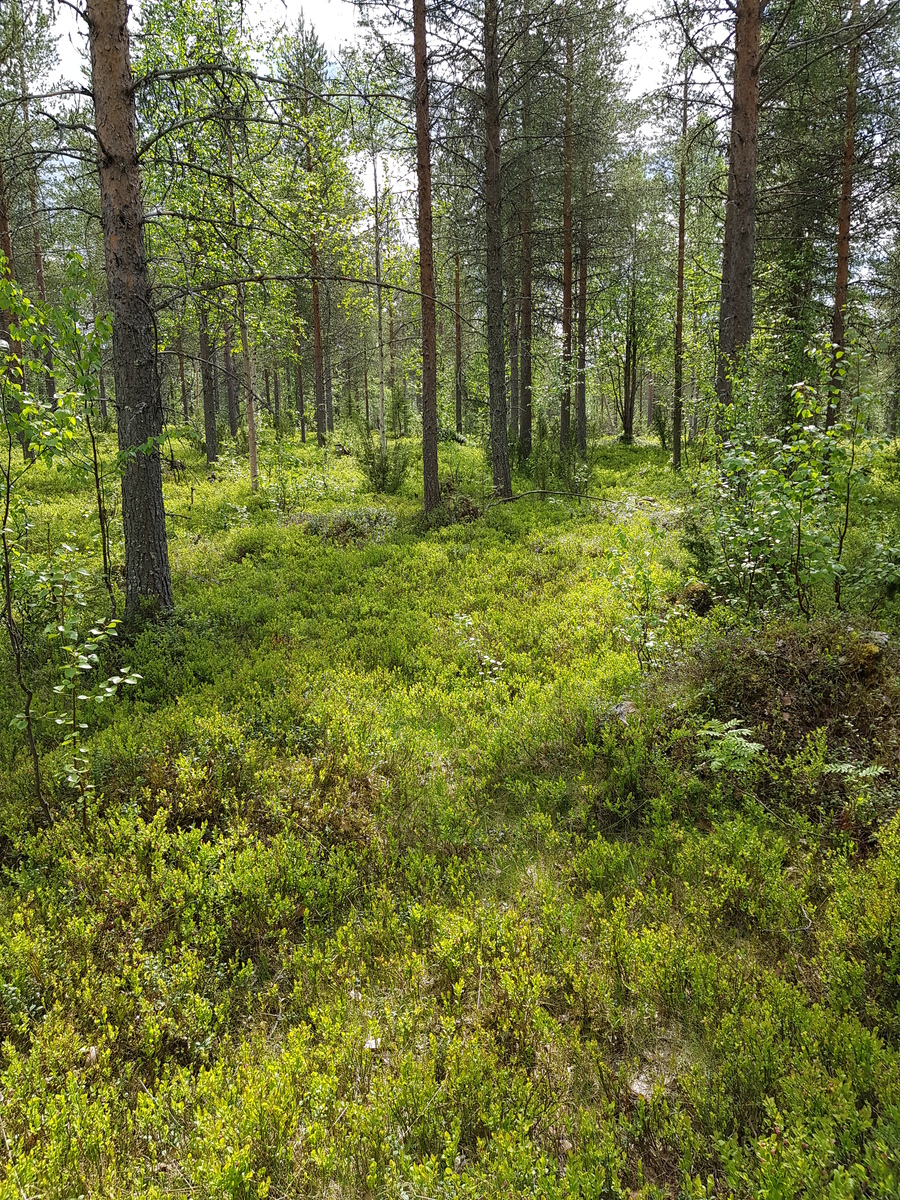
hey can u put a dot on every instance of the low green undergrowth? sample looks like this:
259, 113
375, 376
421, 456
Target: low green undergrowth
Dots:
461, 860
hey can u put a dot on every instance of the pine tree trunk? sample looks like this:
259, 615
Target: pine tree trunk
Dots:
431, 485
393, 375
565, 408
629, 389
138, 400
736, 303
525, 319
301, 406
581, 378
842, 279
382, 415
494, 246
457, 329
329, 381
678, 390
513, 305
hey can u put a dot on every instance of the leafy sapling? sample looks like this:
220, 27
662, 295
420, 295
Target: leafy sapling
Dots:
80, 658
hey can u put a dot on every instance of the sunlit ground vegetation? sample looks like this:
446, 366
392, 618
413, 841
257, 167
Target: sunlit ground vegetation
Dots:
474, 856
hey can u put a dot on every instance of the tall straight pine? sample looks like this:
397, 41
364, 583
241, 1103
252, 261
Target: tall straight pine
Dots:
139, 411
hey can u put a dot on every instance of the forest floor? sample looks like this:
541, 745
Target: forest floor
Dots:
402, 878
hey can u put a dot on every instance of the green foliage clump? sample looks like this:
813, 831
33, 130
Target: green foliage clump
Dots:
779, 509
384, 470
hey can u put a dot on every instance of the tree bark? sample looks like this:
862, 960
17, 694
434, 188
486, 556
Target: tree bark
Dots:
249, 385
395, 407
494, 246
736, 303
457, 330
842, 279
231, 384
565, 408
179, 348
318, 366
431, 485
138, 399
366, 386
209, 395
382, 415
329, 380
276, 393
301, 407
678, 389
581, 376
525, 319
629, 382
513, 305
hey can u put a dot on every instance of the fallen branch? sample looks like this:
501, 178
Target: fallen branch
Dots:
542, 492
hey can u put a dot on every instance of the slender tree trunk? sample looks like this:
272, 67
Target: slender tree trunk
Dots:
5, 232
431, 485
525, 327
301, 406
366, 386
329, 381
276, 391
209, 396
245, 343
382, 420
268, 388
318, 366
842, 279
736, 303
393, 375
138, 399
580, 377
457, 331
185, 403
231, 384
513, 305
565, 409
678, 397
494, 246
249, 385
629, 383
217, 374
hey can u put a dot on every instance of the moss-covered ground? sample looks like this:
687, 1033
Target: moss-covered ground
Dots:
400, 878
